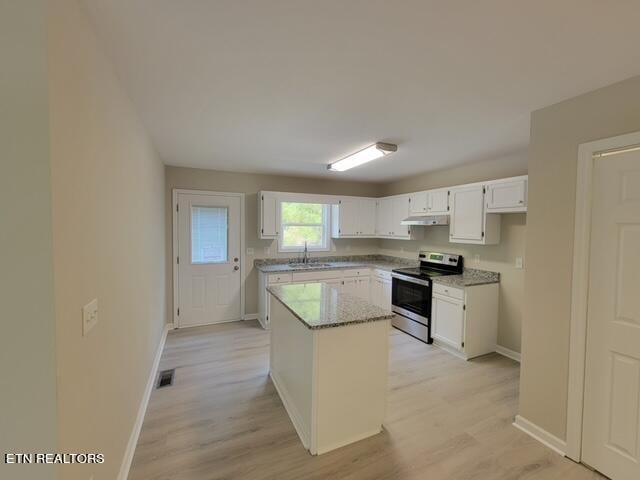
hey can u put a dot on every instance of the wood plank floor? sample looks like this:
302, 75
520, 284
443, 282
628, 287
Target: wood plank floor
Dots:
447, 419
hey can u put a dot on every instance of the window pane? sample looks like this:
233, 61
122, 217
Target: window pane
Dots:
302, 213
209, 234
295, 236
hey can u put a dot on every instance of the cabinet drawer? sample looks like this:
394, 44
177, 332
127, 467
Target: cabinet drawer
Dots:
279, 278
449, 291
383, 274
359, 272
317, 275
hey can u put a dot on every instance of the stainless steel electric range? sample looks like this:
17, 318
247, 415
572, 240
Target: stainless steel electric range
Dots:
411, 292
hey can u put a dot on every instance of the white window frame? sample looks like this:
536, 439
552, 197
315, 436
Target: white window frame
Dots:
326, 237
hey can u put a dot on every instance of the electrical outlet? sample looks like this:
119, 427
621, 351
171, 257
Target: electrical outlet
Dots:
89, 316
519, 262
267, 251
476, 259
249, 251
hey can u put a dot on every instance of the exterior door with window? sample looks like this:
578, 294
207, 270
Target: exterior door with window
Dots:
208, 260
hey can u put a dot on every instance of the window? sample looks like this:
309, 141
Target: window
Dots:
303, 222
209, 236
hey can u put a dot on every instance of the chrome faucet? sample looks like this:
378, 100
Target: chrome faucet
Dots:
305, 258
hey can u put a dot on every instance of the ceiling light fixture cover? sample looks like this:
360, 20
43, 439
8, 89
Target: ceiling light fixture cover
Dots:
365, 155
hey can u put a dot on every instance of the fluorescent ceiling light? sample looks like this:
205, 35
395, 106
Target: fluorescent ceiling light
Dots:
365, 155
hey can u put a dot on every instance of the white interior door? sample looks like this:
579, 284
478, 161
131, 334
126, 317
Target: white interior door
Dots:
611, 421
208, 258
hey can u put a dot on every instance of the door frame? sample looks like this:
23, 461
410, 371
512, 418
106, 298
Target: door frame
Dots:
176, 267
587, 154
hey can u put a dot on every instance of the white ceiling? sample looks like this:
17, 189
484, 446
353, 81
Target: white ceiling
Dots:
288, 86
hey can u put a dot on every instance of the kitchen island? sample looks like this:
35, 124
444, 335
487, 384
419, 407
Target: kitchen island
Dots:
329, 363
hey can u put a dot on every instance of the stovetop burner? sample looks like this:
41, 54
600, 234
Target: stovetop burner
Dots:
421, 272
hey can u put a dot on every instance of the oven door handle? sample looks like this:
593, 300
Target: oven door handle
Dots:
409, 279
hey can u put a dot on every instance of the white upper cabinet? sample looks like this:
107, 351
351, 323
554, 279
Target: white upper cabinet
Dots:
368, 218
354, 217
383, 217
400, 211
430, 202
438, 202
469, 223
507, 195
391, 212
267, 215
418, 203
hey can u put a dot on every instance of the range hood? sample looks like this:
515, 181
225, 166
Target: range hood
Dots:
426, 220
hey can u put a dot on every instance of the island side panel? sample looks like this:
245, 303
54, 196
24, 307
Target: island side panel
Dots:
351, 384
291, 366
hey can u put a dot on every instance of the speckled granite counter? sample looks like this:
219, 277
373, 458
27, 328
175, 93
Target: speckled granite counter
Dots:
469, 278
317, 305
381, 262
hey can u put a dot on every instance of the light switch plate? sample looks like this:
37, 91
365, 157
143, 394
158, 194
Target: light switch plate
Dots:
89, 316
476, 259
519, 262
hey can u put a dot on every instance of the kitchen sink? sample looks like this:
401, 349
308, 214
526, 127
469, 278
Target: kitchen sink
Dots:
309, 265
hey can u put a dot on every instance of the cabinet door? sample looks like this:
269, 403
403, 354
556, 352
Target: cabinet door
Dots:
367, 217
268, 216
418, 203
507, 196
348, 212
400, 211
448, 321
386, 295
364, 289
438, 202
383, 224
350, 286
467, 213
377, 292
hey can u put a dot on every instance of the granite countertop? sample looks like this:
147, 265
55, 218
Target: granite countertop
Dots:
380, 262
318, 305
469, 278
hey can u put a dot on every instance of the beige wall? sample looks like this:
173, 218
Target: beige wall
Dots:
108, 236
556, 132
250, 184
27, 341
497, 258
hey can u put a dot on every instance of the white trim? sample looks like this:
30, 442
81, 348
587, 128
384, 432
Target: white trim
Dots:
291, 409
142, 409
547, 439
250, 316
580, 283
174, 266
505, 352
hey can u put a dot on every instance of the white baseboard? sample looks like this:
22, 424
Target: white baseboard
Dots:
250, 316
505, 352
137, 426
549, 440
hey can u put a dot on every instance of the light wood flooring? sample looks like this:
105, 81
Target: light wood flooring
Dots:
446, 419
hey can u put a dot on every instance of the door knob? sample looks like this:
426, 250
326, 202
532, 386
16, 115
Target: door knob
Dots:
236, 268
235, 259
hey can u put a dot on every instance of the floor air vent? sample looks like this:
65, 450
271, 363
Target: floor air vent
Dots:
165, 378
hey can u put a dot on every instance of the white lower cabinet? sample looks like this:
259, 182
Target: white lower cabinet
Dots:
465, 320
356, 282
449, 326
358, 287
381, 289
